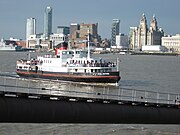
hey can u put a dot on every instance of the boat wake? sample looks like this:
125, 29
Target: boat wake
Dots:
9, 74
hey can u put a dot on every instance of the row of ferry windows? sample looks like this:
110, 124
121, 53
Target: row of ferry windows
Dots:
96, 70
71, 52
45, 61
80, 61
20, 67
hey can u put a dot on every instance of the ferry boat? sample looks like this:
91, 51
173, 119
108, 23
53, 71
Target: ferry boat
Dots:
70, 65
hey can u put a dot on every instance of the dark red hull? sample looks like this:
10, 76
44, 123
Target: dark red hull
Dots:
110, 77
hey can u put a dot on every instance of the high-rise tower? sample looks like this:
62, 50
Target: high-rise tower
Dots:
30, 27
47, 22
114, 31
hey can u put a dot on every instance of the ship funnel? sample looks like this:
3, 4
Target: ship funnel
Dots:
61, 46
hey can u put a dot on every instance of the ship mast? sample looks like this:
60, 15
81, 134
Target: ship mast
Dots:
88, 56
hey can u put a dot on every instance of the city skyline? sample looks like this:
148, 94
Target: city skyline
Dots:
14, 14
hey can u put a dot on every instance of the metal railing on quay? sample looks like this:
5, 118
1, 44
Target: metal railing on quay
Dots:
70, 89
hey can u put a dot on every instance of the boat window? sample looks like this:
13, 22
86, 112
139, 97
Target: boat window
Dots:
77, 52
91, 70
76, 70
64, 52
85, 70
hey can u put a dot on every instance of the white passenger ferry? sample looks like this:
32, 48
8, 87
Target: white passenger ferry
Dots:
70, 65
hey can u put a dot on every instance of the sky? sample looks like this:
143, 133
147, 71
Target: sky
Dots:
14, 13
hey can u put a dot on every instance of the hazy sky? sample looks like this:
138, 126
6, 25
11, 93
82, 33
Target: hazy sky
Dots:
13, 14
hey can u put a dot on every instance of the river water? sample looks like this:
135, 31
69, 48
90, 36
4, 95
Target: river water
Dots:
154, 73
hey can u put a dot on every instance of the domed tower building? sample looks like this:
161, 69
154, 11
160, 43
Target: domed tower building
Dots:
154, 34
154, 23
142, 32
142, 36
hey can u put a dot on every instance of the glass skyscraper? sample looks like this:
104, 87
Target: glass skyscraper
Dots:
47, 22
114, 31
30, 27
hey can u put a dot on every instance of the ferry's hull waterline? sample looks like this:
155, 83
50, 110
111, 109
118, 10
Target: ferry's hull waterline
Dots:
112, 77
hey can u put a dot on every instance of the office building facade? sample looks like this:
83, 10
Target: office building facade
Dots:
30, 27
172, 43
47, 22
114, 31
63, 30
79, 33
122, 41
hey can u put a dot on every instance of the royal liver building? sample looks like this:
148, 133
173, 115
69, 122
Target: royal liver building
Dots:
141, 36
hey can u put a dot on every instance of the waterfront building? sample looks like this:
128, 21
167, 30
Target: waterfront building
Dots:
63, 30
114, 31
154, 48
93, 30
79, 32
141, 36
105, 43
47, 22
142, 32
133, 38
122, 41
58, 38
74, 27
30, 27
172, 43
37, 41
154, 34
